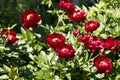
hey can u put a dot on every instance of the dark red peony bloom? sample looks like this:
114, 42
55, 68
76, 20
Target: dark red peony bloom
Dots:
30, 18
55, 39
91, 26
66, 5
92, 42
77, 16
76, 32
103, 64
65, 51
10, 36
111, 43
83, 38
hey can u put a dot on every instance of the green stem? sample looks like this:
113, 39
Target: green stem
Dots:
90, 57
58, 18
95, 56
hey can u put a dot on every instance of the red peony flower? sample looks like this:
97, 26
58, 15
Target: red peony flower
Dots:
66, 5
76, 32
30, 18
103, 64
111, 43
10, 36
91, 26
94, 44
65, 51
83, 38
55, 39
77, 16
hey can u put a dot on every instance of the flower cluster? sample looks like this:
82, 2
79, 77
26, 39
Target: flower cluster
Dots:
57, 42
30, 19
9, 35
73, 14
94, 43
102, 63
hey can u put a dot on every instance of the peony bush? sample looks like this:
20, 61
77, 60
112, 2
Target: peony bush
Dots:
58, 40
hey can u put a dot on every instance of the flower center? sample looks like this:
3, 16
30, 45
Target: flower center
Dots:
75, 14
9, 37
91, 24
102, 63
55, 39
28, 16
64, 50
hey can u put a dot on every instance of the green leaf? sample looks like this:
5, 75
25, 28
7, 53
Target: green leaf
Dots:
100, 76
104, 36
68, 75
92, 79
50, 56
31, 56
30, 35
117, 77
4, 77
6, 68
24, 33
13, 73
85, 8
79, 50
42, 60
43, 74
43, 54
100, 29
86, 55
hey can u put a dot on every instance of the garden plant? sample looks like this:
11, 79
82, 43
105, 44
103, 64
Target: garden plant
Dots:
59, 40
